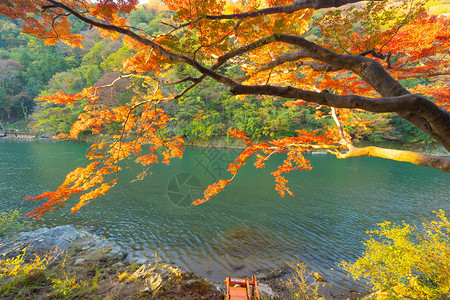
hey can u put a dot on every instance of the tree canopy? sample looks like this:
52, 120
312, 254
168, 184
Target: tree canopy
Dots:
346, 63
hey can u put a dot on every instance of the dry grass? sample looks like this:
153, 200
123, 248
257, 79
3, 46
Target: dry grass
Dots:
98, 277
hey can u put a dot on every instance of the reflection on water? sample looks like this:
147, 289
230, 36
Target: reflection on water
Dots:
246, 228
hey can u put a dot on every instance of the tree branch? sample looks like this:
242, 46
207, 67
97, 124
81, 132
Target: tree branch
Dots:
343, 134
426, 75
284, 9
406, 103
438, 162
283, 58
437, 120
407, 106
320, 67
395, 97
289, 57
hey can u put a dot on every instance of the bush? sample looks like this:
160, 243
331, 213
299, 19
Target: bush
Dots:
302, 283
406, 262
11, 223
25, 274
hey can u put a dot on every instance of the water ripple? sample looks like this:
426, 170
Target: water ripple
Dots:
246, 228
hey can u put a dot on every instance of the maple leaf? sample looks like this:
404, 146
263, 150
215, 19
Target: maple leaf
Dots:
354, 63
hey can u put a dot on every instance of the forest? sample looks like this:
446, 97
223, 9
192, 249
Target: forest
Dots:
30, 70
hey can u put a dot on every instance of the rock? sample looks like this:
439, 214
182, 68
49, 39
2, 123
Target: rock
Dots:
266, 292
116, 250
86, 246
137, 257
99, 244
79, 261
269, 274
57, 240
191, 281
220, 287
146, 290
142, 261
84, 234
119, 264
40, 242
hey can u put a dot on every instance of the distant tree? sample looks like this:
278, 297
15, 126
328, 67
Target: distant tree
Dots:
9, 71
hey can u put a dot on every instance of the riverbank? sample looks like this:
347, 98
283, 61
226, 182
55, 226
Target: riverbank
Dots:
65, 262
73, 263
232, 143
426, 148
225, 142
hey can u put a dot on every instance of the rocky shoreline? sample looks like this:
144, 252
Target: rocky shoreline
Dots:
151, 275
154, 273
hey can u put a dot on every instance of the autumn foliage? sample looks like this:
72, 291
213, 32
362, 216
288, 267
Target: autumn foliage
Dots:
353, 63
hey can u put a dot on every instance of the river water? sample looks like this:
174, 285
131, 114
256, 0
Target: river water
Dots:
247, 227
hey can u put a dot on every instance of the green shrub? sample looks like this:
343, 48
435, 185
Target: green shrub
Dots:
405, 261
11, 223
302, 283
19, 274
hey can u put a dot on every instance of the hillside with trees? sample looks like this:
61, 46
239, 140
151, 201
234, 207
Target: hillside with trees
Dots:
31, 70
282, 77
242, 69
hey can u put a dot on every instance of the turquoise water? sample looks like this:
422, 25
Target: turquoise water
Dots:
246, 228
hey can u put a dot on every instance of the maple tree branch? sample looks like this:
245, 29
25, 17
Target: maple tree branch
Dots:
171, 56
187, 89
398, 28
141, 30
435, 161
164, 52
435, 121
427, 127
283, 9
289, 57
221, 39
404, 103
112, 85
283, 58
389, 65
439, 162
395, 98
344, 140
443, 73
45, 7
181, 80
320, 67
407, 106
